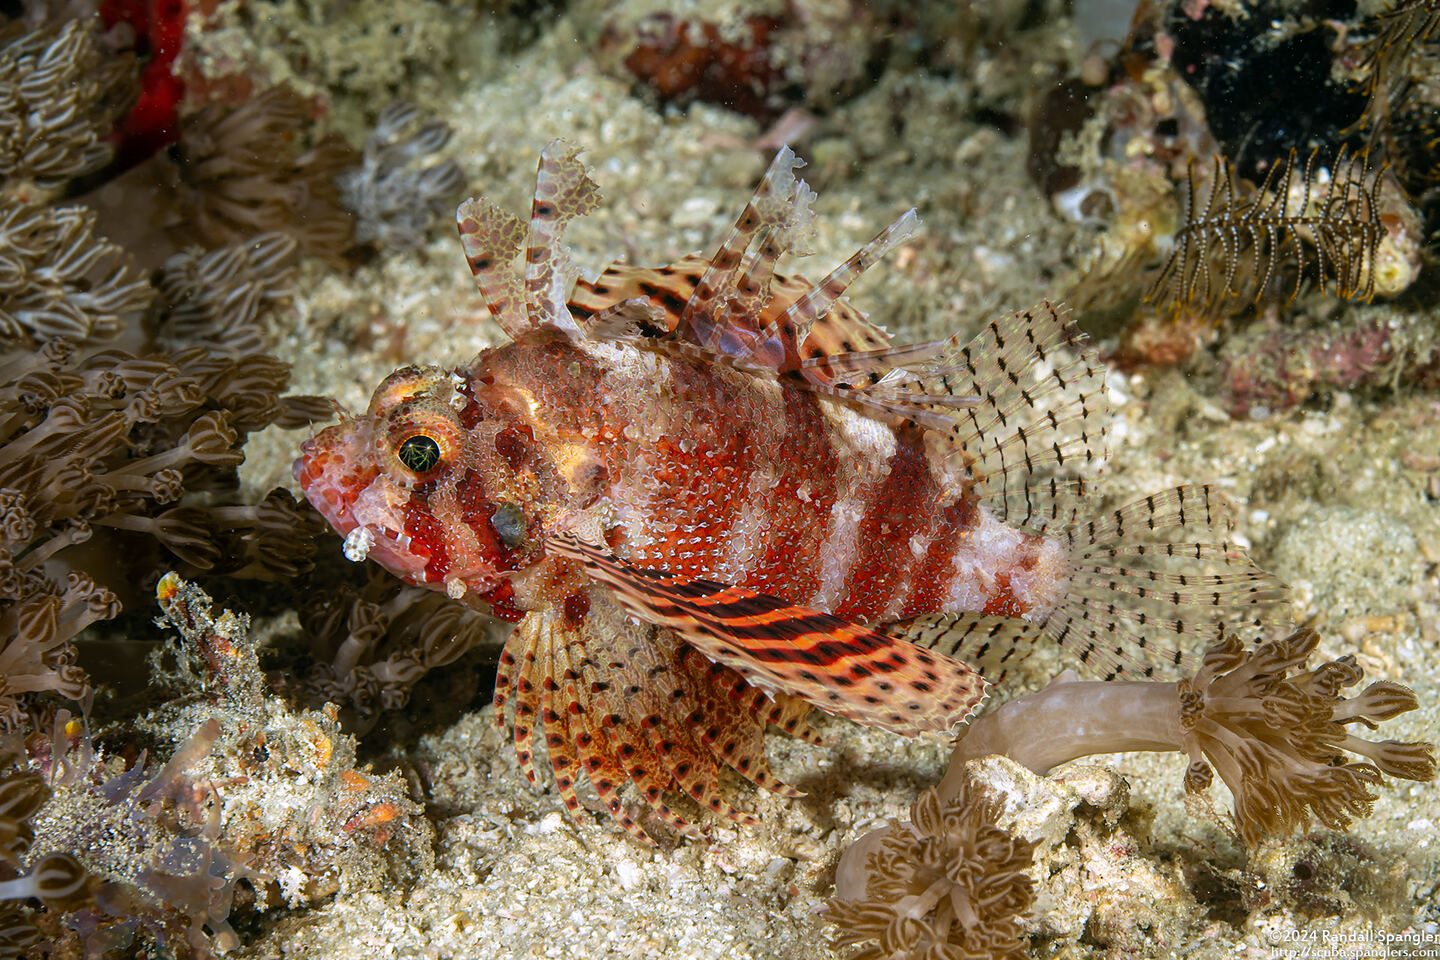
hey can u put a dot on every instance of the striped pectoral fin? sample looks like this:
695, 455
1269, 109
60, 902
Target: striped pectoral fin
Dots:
841, 667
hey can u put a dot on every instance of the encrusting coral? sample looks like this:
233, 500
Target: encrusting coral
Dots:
1278, 734
147, 836
949, 884
352, 817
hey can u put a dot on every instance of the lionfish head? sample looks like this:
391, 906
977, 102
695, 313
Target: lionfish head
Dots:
409, 484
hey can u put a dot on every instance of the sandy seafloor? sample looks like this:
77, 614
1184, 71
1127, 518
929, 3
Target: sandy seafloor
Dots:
1335, 498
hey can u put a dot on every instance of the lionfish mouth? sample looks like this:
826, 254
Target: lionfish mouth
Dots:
349, 501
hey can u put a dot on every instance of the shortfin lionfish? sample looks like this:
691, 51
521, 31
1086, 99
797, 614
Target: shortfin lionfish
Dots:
712, 497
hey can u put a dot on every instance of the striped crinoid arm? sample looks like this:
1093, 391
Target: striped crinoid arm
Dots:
1319, 221
624, 702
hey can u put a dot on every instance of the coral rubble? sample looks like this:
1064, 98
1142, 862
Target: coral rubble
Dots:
255, 794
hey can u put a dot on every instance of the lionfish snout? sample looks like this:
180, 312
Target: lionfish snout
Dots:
339, 475
334, 469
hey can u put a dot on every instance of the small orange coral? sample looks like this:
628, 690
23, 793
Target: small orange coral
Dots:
950, 884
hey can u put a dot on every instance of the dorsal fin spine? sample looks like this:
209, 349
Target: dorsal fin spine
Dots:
491, 238
563, 192
781, 204
803, 313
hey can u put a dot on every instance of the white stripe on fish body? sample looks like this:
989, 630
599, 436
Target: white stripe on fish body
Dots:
863, 448
747, 537
990, 549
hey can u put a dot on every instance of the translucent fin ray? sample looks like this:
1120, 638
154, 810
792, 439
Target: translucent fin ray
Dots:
492, 238
992, 645
563, 191
780, 207
804, 312
1127, 620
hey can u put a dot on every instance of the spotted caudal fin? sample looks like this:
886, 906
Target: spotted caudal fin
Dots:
621, 701
491, 239
841, 667
1144, 595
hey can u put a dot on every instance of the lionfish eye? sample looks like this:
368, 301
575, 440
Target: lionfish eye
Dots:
419, 453
509, 524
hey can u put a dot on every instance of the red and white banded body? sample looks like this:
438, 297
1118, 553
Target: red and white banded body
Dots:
785, 504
